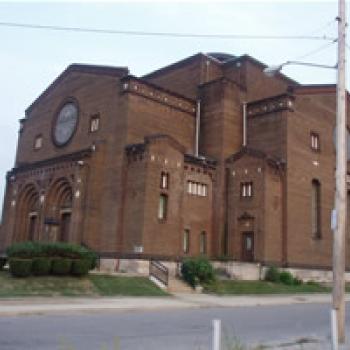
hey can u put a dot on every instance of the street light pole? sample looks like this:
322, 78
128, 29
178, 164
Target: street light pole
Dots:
340, 179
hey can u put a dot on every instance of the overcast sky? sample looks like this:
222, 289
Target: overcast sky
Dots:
31, 59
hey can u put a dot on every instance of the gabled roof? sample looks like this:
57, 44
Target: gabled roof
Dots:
200, 160
248, 151
81, 68
258, 63
136, 148
179, 64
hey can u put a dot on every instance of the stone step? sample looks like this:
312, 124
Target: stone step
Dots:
176, 285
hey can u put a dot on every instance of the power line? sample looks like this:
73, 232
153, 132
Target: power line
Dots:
312, 52
164, 34
324, 27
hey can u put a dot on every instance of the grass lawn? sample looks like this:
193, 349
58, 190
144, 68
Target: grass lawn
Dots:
230, 287
92, 285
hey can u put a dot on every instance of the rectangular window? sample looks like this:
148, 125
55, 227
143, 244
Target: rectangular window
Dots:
197, 189
164, 180
205, 190
189, 187
94, 123
246, 189
38, 142
186, 241
315, 141
163, 207
203, 243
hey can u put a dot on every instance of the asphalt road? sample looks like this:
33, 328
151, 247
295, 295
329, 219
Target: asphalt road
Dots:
166, 329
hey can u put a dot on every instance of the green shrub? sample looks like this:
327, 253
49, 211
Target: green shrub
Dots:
3, 262
41, 266
25, 250
298, 281
197, 271
287, 278
61, 266
80, 267
52, 249
272, 274
20, 267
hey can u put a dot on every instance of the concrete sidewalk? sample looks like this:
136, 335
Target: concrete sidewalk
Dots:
43, 305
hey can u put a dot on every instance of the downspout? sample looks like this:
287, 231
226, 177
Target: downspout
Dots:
244, 136
198, 122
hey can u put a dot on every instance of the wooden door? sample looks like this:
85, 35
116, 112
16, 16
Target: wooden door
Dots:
248, 246
32, 227
64, 227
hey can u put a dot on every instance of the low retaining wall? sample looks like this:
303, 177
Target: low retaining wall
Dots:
135, 266
231, 269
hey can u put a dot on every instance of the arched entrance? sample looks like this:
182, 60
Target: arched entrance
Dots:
59, 210
27, 214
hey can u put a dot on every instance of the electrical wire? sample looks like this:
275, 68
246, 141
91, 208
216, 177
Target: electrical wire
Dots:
312, 52
324, 27
165, 34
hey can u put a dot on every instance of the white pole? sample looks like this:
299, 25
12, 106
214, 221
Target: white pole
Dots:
216, 334
340, 186
334, 329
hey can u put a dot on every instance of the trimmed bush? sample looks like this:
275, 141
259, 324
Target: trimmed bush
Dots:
41, 266
61, 266
272, 274
197, 271
80, 267
3, 262
287, 278
20, 267
52, 249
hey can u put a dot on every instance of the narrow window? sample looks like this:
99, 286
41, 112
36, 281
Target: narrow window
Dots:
38, 142
316, 209
203, 243
189, 187
164, 180
94, 123
205, 190
186, 241
246, 189
315, 141
163, 207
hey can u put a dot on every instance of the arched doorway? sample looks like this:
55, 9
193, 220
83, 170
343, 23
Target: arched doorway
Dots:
27, 214
59, 210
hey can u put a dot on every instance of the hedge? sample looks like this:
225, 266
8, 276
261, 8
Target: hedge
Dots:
41, 266
20, 267
3, 262
80, 267
54, 249
61, 266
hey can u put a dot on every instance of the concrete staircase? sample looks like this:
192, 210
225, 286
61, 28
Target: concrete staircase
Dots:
176, 285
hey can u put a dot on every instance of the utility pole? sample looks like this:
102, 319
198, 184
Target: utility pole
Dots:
340, 177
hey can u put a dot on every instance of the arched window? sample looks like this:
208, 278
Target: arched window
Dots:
203, 243
316, 209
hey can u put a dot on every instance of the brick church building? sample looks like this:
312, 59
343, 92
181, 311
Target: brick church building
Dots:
204, 156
